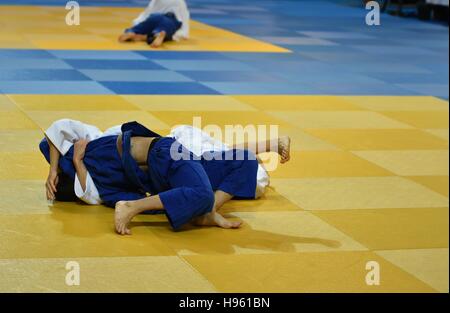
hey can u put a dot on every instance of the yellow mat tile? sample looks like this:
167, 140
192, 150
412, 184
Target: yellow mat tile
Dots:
20, 140
428, 265
73, 37
23, 165
302, 272
385, 229
81, 45
308, 232
270, 201
262, 232
72, 103
327, 164
411, 162
218, 118
357, 193
23, 197
338, 119
436, 183
101, 119
399, 103
298, 103
48, 22
15, 119
421, 119
6, 104
441, 133
301, 140
16, 43
188, 103
156, 274
73, 230
10, 37
379, 139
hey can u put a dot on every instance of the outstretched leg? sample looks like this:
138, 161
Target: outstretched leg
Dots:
282, 146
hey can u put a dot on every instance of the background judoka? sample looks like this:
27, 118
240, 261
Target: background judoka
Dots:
162, 20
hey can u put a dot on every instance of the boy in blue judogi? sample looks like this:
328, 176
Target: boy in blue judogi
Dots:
183, 189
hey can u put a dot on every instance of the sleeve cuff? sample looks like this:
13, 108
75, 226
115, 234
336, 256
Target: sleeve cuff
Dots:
90, 195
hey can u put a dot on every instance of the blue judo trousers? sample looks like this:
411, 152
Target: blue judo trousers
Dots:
185, 185
155, 24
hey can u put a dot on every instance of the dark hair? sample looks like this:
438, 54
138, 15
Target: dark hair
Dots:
65, 189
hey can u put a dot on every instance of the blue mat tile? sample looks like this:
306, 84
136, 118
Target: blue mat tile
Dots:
96, 55
34, 63
115, 64
367, 89
230, 76
335, 35
20, 53
179, 55
41, 75
135, 75
158, 88
401, 50
242, 88
52, 87
438, 90
304, 41
408, 78
182, 65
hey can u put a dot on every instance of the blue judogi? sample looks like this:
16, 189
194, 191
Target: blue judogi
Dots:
185, 186
155, 24
104, 164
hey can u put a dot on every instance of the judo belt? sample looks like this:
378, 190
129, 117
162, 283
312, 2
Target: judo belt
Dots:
152, 144
130, 165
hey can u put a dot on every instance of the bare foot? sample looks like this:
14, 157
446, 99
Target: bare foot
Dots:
131, 37
126, 37
159, 39
122, 218
284, 148
215, 219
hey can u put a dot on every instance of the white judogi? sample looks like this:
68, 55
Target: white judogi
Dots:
177, 7
64, 133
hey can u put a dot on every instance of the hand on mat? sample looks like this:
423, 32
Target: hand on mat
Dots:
79, 148
51, 183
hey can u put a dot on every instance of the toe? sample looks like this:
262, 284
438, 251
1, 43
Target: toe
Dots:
236, 224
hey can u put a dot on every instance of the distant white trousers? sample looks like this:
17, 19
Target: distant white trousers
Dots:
177, 7
64, 133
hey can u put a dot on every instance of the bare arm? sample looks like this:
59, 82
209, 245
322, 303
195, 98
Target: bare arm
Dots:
78, 156
52, 179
